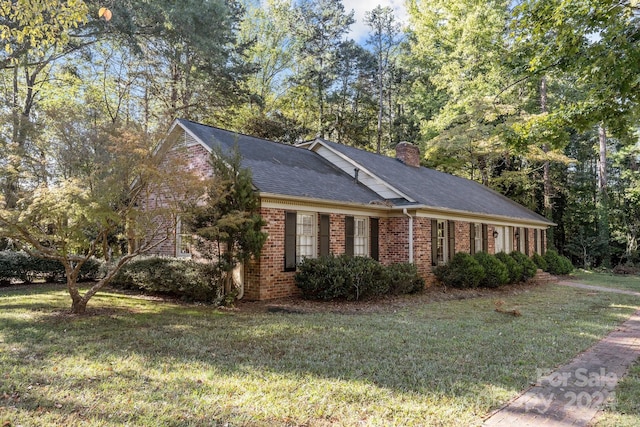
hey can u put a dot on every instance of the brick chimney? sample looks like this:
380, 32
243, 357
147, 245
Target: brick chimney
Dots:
408, 154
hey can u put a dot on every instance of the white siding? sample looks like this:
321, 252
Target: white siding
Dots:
375, 184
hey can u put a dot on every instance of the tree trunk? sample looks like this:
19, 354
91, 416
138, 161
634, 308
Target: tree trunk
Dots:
546, 167
380, 97
603, 197
78, 303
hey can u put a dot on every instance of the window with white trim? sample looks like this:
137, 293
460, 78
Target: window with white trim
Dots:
477, 237
184, 241
360, 237
305, 236
442, 242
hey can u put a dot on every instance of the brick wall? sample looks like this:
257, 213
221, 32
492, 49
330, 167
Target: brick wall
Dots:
273, 282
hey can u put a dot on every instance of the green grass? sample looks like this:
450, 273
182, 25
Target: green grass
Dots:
143, 362
608, 280
624, 411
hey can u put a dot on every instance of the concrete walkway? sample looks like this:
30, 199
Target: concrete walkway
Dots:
573, 394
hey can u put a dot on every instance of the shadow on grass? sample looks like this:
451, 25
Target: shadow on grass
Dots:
460, 349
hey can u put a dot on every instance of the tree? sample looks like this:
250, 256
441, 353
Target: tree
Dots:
461, 45
597, 43
319, 27
385, 39
72, 219
228, 224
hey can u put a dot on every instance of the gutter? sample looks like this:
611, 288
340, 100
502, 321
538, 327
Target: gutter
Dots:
404, 211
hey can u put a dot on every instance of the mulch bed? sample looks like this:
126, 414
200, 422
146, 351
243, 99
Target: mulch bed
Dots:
299, 305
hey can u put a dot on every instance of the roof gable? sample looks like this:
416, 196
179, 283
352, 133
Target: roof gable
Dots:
284, 169
436, 189
326, 170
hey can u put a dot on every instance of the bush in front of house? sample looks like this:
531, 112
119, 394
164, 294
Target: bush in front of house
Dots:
539, 261
353, 278
556, 263
19, 265
529, 268
462, 272
179, 277
513, 268
403, 278
495, 272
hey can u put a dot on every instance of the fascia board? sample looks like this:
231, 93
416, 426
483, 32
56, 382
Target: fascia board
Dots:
362, 169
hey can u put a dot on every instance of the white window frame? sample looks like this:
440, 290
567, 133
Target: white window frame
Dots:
442, 242
306, 236
360, 236
477, 237
183, 241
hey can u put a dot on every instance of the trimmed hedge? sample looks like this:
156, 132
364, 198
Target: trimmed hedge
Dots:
463, 271
556, 263
496, 273
539, 261
529, 268
353, 278
513, 268
179, 277
403, 278
18, 265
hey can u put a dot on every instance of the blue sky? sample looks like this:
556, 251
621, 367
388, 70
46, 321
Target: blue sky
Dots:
359, 29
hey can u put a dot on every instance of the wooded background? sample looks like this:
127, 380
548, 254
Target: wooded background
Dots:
537, 99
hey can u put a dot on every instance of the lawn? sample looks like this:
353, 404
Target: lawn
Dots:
608, 280
137, 361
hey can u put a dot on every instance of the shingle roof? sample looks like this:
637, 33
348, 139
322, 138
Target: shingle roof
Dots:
285, 169
437, 189
297, 171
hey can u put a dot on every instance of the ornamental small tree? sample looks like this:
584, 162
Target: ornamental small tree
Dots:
98, 212
227, 223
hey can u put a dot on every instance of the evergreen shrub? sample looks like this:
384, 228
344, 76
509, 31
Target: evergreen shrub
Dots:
557, 264
513, 268
529, 268
353, 278
403, 278
19, 265
539, 261
496, 273
462, 271
179, 277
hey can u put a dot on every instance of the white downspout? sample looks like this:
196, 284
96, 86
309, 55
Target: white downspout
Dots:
404, 211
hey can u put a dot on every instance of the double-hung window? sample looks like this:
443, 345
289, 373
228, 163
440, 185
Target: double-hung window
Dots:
360, 237
305, 236
300, 238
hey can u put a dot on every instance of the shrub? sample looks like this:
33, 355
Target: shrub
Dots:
353, 278
403, 278
625, 269
513, 268
184, 278
539, 261
496, 273
529, 268
21, 266
462, 271
556, 263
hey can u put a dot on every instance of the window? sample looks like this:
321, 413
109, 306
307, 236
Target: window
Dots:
305, 236
356, 236
300, 238
360, 237
478, 234
184, 241
443, 243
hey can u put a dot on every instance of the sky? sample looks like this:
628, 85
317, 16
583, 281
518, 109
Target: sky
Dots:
360, 30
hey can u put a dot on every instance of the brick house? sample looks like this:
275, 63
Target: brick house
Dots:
320, 197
